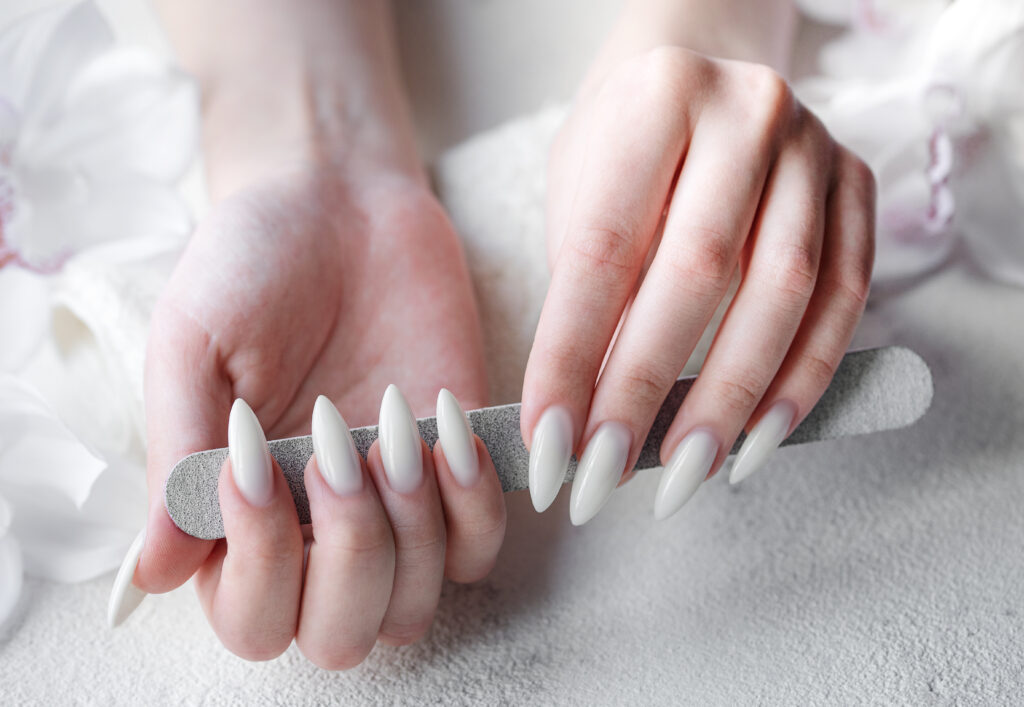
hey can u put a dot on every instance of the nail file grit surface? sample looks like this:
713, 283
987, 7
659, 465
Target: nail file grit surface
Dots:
873, 390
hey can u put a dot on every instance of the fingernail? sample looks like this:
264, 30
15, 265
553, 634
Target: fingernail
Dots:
399, 442
125, 597
250, 457
688, 467
456, 438
763, 440
550, 451
336, 454
600, 469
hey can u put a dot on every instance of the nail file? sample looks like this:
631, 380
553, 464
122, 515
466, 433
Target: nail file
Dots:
873, 390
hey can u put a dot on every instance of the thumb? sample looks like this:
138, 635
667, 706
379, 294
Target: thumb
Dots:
188, 399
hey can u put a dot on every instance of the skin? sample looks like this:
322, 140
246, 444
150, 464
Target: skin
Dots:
323, 223
748, 181
326, 266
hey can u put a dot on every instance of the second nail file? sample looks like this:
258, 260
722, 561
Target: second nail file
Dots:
873, 390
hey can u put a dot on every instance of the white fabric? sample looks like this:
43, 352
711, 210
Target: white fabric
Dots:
883, 569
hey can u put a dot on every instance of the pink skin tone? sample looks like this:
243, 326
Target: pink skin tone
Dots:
748, 180
326, 266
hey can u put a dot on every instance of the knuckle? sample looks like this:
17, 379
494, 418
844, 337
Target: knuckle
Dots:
739, 392
820, 369
795, 271
420, 543
647, 382
357, 540
706, 262
607, 253
767, 95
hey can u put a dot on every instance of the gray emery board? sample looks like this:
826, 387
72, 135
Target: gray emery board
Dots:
873, 390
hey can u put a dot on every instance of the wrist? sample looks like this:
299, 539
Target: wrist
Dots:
306, 125
286, 85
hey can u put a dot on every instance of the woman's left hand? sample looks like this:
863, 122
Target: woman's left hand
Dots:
670, 174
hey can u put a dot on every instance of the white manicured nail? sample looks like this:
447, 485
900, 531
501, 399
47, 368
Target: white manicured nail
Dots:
125, 596
599, 471
550, 452
456, 438
336, 454
688, 467
250, 457
763, 440
399, 442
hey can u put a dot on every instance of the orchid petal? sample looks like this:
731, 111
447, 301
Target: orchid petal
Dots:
39, 55
10, 565
37, 450
24, 315
127, 112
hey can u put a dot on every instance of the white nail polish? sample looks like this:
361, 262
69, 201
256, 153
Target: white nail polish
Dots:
550, 451
399, 442
688, 467
125, 597
336, 454
599, 471
250, 456
763, 440
456, 438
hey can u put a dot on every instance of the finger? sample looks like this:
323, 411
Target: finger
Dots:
474, 506
759, 327
402, 470
187, 400
618, 204
836, 306
351, 563
250, 587
712, 211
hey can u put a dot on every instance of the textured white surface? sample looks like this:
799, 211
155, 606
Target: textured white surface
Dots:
884, 569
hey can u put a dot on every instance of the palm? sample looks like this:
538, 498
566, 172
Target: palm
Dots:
306, 287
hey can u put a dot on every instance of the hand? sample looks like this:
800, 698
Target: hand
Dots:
671, 173
299, 285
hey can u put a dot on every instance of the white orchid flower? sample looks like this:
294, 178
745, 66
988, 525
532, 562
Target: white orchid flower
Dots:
93, 138
929, 94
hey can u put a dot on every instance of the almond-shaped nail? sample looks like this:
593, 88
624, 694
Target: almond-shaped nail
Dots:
336, 454
763, 440
399, 442
250, 456
456, 437
601, 467
550, 451
689, 466
125, 597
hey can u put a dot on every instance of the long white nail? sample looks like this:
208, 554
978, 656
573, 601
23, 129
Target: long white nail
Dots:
125, 597
250, 457
763, 440
600, 469
336, 454
688, 467
550, 452
456, 438
399, 442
